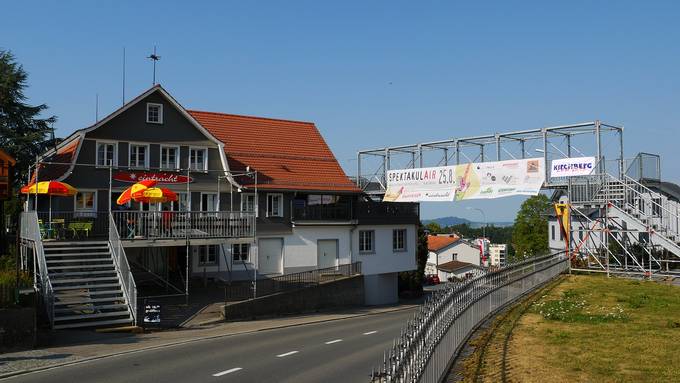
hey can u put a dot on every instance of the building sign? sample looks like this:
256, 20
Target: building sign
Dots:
568, 167
160, 177
483, 180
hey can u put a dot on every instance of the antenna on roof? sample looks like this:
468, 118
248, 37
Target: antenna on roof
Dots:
123, 75
96, 107
154, 57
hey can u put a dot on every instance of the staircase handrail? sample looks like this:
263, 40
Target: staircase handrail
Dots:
123, 269
30, 230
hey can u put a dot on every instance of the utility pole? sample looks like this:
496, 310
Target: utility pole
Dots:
154, 57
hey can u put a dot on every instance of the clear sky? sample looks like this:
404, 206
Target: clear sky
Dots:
369, 74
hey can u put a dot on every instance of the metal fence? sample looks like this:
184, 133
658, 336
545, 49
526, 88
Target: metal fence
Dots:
430, 341
293, 281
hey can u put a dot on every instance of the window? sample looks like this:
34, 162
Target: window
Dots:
248, 202
208, 255
366, 241
86, 201
240, 251
399, 239
552, 232
208, 202
107, 154
183, 202
274, 205
198, 159
138, 156
170, 157
154, 113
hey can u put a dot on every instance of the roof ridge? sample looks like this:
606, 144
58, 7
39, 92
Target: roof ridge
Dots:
250, 116
282, 156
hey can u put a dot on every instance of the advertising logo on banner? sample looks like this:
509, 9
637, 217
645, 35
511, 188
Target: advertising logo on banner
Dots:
466, 181
569, 167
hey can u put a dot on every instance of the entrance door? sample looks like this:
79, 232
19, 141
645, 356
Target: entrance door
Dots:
270, 255
327, 253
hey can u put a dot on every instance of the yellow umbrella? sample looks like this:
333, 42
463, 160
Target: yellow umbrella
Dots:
140, 186
50, 188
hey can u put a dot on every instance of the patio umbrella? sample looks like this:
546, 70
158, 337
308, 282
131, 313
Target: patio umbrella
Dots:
61, 189
140, 186
155, 195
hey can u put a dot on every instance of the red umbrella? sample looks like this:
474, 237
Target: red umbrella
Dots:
155, 195
140, 186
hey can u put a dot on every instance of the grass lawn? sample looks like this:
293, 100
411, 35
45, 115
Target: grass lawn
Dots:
590, 328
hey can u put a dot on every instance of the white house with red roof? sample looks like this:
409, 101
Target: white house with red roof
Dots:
446, 248
256, 197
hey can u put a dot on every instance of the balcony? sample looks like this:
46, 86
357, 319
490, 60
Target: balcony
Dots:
169, 225
369, 212
325, 212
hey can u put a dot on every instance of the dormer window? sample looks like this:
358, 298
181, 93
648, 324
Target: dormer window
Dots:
154, 113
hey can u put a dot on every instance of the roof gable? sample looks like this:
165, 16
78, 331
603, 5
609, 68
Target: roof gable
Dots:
439, 242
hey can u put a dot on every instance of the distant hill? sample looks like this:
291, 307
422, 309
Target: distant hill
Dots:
452, 221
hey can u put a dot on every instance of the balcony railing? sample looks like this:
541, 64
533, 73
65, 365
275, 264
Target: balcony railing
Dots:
141, 225
326, 212
382, 212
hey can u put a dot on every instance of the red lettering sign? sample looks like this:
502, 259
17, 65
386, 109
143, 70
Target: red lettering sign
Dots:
160, 177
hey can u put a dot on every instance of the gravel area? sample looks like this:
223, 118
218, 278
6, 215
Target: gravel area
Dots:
24, 360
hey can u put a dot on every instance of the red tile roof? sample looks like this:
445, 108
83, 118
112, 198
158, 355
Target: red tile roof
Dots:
455, 265
438, 242
287, 155
60, 162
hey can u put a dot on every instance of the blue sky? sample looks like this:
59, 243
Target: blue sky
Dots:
369, 74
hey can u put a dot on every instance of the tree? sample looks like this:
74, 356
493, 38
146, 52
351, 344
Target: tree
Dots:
23, 133
530, 233
433, 227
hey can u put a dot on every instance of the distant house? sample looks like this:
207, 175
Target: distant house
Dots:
456, 269
447, 248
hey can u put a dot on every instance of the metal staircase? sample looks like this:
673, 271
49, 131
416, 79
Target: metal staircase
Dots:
87, 291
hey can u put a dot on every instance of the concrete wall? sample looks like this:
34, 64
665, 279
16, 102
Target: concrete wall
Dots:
346, 292
381, 289
300, 248
384, 259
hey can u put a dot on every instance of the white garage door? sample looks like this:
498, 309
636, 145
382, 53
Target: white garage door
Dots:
327, 253
270, 255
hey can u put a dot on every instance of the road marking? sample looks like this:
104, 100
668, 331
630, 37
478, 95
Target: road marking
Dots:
227, 371
334, 341
286, 354
370, 332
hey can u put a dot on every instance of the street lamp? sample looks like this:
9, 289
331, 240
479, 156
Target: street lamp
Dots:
483, 216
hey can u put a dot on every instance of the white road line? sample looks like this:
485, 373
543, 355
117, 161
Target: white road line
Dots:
227, 371
334, 341
286, 354
370, 332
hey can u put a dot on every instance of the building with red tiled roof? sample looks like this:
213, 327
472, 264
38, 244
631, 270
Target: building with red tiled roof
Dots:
445, 248
438, 242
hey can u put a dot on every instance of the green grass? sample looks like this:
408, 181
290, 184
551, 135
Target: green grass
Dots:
599, 329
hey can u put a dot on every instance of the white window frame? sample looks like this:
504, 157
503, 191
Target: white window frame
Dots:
160, 113
205, 158
96, 151
146, 156
240, 245
280, 212
244, 198
78, 210
177, 154
217, 202
203, 252
359, 242
404, 245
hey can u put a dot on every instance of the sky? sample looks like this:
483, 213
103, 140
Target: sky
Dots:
369, 74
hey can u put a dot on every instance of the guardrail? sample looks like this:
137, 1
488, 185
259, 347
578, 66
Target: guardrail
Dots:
30, 231
293, 281
125, 276
430, 341
180, 224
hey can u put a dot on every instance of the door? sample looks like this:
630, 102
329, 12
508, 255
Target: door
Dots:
327, 253
270, 255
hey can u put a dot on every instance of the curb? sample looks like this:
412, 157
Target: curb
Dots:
187, 341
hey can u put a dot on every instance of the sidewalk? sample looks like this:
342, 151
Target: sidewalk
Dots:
73, 346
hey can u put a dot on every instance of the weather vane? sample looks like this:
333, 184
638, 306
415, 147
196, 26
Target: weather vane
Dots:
154, 57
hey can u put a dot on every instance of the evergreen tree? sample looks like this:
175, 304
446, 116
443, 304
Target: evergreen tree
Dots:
530, 232
23, 133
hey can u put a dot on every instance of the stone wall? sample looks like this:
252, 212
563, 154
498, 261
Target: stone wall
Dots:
17, 328
345, 292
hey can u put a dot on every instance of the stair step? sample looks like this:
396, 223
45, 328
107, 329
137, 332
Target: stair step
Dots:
93, 323
76, 280
76, 273
52, 248
85, 287
90, 316
83, 307
87, 301
82, 243
77, 254
97, 266
79, 260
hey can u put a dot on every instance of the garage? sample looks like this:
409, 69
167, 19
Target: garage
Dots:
270, 255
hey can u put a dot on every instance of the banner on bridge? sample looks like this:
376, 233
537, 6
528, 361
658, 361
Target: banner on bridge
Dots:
568, 167
483, 180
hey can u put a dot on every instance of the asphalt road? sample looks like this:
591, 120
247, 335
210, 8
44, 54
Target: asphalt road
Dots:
336, 351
